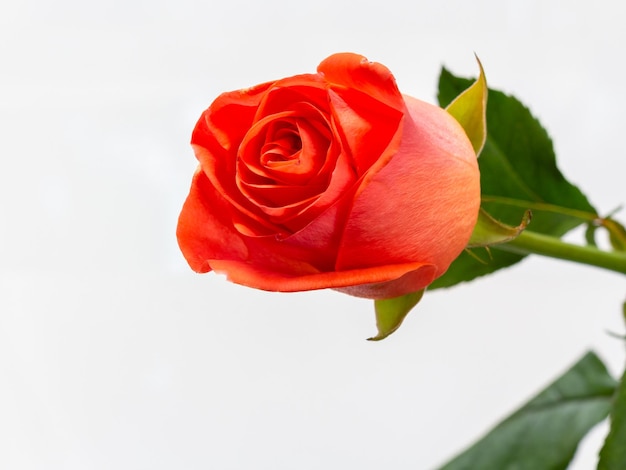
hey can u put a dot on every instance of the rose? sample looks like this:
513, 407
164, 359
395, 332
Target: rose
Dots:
329, 180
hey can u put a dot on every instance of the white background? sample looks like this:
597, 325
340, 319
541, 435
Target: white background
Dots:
114, 355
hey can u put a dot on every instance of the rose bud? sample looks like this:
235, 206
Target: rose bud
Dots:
329, 180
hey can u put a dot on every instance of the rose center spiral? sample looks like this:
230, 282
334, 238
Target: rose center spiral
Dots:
281, 149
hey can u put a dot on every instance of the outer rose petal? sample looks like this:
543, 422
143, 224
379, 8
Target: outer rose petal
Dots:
206, 236
420, 276
209, 242
355, 72
368, 108
422, 206
226, 121
368, 282
306, 88
204, 231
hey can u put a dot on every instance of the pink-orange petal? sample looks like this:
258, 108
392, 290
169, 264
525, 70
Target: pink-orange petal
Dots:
373, 282
423, 205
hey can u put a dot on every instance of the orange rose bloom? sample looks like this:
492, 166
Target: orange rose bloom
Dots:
329, 180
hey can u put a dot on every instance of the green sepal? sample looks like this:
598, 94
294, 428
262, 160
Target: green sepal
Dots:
391, 312
489, 231
470, 110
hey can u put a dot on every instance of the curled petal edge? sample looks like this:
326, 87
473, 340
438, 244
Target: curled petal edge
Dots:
373, 283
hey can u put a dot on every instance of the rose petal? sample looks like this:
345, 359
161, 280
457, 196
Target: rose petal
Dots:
204, 229
368, 108
208, 242
225, 185
288, 147
229, 117
423, 204
340, 189
216, 139
412, 281
368, 282
206, 232
305, 88
369, 129
355, 72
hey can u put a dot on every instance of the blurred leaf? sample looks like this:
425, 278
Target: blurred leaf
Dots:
517, 172
617, 234
391, 312
470, 108
590, 234
613, 453
545, 432
488, 231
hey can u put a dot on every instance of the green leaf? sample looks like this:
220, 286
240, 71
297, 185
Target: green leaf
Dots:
613, 453
545, 432
517, 172
488, 231
617, 234
590, 235
391, 312
470, 109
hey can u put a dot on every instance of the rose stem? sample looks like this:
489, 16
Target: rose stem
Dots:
529, 242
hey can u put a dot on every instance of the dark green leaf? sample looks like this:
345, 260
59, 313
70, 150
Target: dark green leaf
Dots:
518, 172
613, 454
391, 312
590, 235
544, 433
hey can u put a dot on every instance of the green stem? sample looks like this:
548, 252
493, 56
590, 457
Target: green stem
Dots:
529, 242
